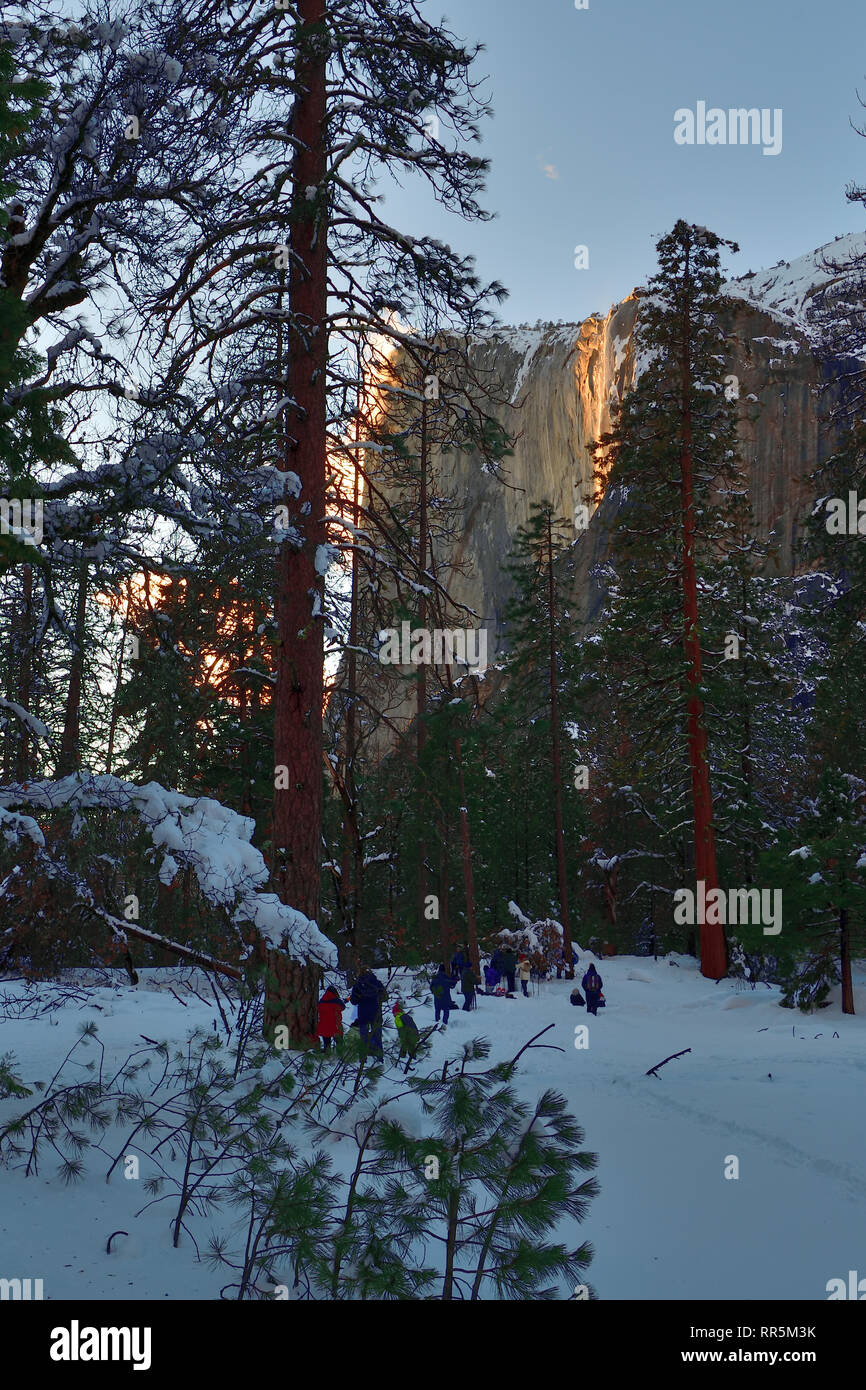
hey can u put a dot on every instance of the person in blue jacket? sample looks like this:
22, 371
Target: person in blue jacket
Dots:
592, 986
460, 961
441, 987
491, 977
368, 995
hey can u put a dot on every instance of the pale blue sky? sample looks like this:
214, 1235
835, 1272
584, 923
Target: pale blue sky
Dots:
592, 94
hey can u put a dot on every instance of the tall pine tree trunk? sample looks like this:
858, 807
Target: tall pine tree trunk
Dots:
468, 878
557, 766
421, 682
713, 949
353, 849
115, 700
70, 744
845, 962
292, 986
446, 942
24, 690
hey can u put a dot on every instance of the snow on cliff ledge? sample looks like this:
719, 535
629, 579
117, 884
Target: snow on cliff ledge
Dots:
786, 290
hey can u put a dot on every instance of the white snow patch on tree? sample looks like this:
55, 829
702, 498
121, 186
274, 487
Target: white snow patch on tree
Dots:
197, 833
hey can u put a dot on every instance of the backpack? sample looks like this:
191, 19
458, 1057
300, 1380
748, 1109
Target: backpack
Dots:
577, 998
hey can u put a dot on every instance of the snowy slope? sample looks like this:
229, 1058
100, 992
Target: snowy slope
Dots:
787, 289
776, 1090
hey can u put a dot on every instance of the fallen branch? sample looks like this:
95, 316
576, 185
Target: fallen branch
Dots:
532, 1043
195, 957
654, 1071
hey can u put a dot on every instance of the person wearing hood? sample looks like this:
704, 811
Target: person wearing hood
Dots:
368, 994
407, 1031
441, 987
330, 1018
491, 977
592, 985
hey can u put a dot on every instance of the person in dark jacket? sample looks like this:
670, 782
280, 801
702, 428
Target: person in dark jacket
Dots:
330, 1020
407, 1030
468, 984
460, 961
509, 968
368, 994
441, 987
491, 977
592, 986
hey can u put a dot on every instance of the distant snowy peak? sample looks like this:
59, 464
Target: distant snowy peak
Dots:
787, 290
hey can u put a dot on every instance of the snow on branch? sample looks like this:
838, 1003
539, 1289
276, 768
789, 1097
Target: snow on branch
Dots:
520, 916
34, 725
14, 827
195, 832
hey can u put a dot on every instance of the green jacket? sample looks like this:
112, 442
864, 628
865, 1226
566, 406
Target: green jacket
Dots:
407, 1032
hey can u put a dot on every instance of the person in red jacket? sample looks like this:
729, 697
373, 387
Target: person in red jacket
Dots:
330, 1025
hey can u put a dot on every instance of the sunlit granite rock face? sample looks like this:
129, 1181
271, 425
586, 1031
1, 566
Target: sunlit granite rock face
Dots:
561, 381
557, 384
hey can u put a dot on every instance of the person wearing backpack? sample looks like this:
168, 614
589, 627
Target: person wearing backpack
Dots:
330, 1018
407, 1031
368, 994
592, 986
441, 988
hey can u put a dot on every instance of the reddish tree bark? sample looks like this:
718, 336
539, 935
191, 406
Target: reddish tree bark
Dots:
299, 690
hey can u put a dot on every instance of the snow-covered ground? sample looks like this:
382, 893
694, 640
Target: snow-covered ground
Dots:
774, 1089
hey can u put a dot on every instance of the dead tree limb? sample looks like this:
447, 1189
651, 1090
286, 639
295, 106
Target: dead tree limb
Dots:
654, 1071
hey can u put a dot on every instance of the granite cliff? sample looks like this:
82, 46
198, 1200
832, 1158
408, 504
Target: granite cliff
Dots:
561, 381
557, 386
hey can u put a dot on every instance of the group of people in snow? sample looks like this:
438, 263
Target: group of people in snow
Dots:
369, 995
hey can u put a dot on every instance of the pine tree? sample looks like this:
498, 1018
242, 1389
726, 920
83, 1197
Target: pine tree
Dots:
669, 457
820, 867
541, 675
490, 1181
